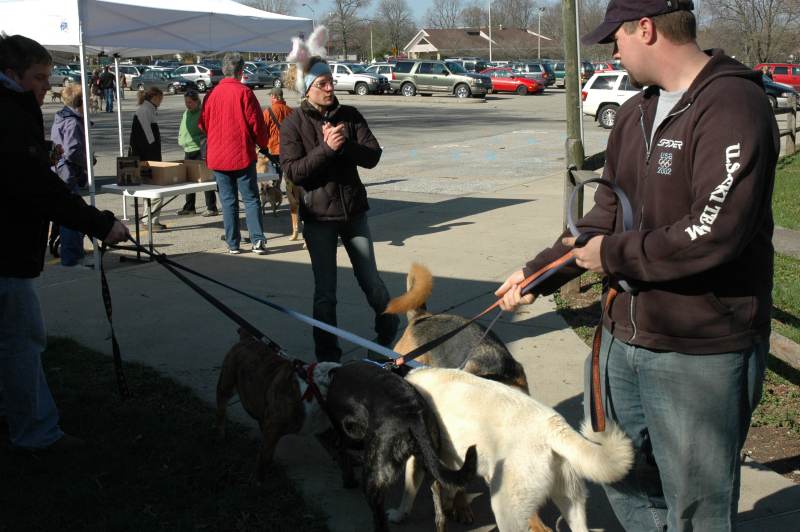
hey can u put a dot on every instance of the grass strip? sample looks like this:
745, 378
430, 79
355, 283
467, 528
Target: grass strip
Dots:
151, 463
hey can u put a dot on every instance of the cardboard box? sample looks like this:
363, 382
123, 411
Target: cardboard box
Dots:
128, 171
197, 171
162, 173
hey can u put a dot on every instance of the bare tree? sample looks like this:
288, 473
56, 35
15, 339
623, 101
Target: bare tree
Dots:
474, 15
765, 28
513, 13
397, 22
284, 7
344, 22
443, 14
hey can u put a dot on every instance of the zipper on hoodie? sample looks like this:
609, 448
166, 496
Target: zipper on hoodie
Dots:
648, 147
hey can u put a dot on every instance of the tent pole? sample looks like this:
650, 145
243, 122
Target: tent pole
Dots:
119, 124
86, 134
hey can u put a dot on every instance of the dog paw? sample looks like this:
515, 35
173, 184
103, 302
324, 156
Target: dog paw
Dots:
396, 516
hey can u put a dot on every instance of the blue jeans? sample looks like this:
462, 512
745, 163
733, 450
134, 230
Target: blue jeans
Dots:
25, 398
688, 416
322, 239
230, 183
71, 242
109, 96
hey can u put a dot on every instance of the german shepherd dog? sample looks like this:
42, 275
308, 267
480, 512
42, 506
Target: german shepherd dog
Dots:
378, 411
484, 356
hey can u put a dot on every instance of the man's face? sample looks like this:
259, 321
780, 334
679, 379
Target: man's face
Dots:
628, 50
36, 79
321, 91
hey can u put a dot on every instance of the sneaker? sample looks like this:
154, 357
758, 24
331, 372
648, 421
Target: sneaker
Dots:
259, 248
210, 213
234, 251
186, 212
157, 228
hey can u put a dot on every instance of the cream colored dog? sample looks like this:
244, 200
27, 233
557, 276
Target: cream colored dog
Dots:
527, 453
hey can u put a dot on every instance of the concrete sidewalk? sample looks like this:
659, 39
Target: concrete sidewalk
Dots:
470, 243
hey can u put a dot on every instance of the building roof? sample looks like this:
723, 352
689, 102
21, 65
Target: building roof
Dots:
514, 41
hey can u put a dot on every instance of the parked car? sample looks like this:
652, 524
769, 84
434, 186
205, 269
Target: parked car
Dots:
354, 78
604, 93
258, 76
587, 70
778, 93
605, 66
163, 79
211, 63
505, 79
61, 76
786, 73
130, 72
166, 63
538, 70
381, 69
470, 64
428, 77
202, 76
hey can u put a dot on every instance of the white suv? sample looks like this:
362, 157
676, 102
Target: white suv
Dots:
355, 79
203, 77
604, 93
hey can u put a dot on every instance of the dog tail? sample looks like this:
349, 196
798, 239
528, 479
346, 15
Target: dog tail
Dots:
419, 285
441, 473
603, 457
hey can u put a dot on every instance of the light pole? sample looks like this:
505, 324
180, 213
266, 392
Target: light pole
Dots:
313, 16
490, 31
539, 35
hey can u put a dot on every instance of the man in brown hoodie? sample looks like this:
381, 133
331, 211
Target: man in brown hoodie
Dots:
682, 352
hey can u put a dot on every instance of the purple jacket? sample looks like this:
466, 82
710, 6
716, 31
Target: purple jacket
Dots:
67, 131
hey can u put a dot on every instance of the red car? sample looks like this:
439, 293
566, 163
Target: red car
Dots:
605, 66
786, 73
509, 80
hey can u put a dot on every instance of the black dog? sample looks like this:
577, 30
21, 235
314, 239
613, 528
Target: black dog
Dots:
374, 409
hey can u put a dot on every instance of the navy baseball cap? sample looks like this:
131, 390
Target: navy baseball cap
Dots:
620, 11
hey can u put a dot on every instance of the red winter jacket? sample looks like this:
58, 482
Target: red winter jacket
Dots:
234, 125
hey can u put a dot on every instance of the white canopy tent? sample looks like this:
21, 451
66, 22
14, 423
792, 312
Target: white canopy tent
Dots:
131, 28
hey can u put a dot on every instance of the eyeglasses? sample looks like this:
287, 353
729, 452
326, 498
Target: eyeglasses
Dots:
323, 85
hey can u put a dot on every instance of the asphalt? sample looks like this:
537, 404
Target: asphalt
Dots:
470, 242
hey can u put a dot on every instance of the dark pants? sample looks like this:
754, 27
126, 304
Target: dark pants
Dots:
210, 195
322, 239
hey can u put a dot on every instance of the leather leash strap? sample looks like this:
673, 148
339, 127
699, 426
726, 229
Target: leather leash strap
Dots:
596, 394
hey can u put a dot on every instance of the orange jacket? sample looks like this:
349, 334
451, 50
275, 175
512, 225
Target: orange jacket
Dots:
281, 111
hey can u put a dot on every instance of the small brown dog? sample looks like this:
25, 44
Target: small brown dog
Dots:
269, 192
272, 393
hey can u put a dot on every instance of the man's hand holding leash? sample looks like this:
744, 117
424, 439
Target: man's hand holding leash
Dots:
511, 293
118, 233
588, 256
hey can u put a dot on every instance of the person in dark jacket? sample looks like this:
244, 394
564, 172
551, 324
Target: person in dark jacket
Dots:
683, 351
35, 195
146, 140
108, 86
67, 131
322, 144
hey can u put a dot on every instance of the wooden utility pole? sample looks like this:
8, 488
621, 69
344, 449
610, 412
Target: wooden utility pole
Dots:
573, 144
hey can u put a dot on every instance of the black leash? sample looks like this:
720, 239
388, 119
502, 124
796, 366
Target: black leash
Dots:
122, 384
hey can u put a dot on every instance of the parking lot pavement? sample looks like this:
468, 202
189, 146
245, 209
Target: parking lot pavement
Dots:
431, 145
